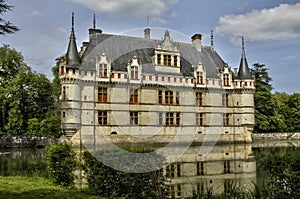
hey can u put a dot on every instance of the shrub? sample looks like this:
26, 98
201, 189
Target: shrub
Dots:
105, 181
61, 163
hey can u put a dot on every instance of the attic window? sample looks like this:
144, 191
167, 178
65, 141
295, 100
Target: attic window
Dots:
226, 79
159, 59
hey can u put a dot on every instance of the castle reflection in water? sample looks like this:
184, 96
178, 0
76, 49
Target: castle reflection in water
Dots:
223, 168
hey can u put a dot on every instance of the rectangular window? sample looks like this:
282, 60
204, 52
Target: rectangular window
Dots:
226, 79
178, 166
200, 188
134, 119
200, 168
169, 60
85, 73
175, 60
169, 119
63, 114
160, 97
226, 166
177, 119
62, 72
226, 119
159, 59
102, 118
134, 96
74, 71
199, 119
156, 78
165, 60
134, 72
119, 76
64, 93
177, 98
160, 119
225, 100
199, 78
199, 99
169, 97
102, 94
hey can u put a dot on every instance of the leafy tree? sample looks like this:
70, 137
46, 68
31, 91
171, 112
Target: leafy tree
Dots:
267, 118
28, 103
6, 27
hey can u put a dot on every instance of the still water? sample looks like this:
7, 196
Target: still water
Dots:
198, 170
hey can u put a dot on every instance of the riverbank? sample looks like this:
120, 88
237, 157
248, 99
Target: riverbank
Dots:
36, 187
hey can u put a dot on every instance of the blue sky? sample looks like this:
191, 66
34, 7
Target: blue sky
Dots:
271, 29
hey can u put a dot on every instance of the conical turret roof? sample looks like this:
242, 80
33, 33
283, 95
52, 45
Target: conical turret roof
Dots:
244, 71
72, 53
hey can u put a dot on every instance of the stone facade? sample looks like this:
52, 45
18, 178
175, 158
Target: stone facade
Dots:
130, 86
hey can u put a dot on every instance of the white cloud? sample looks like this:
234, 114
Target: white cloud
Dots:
279, 23
138, 8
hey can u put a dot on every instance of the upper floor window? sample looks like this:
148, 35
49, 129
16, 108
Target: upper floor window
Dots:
134, 118
175, 60
134, 72
102, 117
199, 78
64, 93
225, 100
226, 79
200, 168
102, 94
62, 71
160, 97
177, 98
160, 118
134, 96
172, 119
103, 70
169, 97
199, 99
199, 119
226, 166
226, 119
159, 62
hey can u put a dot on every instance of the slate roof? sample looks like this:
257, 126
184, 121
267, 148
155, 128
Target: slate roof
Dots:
119, 49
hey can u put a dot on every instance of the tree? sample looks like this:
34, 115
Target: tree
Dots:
6, 27
267, 118
28, 103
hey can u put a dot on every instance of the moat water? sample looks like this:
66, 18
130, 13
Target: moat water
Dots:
224, 165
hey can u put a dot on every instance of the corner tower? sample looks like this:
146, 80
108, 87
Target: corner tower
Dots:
70, 98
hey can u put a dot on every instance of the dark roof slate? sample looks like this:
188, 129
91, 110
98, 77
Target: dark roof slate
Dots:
120, 49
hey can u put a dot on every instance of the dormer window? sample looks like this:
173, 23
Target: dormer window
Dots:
134, 72
226, 79
159, 59
103, 70
199, 78
175, 60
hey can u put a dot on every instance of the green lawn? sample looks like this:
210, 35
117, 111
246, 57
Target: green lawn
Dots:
36, 187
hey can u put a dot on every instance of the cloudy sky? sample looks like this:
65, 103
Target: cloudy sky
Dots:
271, 29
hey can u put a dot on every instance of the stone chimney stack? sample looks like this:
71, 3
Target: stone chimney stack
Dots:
236, 72
196, 40
147, 33
93, 32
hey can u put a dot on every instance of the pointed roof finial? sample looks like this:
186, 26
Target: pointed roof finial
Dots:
94, 22
243, 44
72, 21
212, 38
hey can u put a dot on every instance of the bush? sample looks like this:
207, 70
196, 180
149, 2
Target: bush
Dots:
61, 164
105, 181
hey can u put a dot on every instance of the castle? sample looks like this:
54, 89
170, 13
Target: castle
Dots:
145, 89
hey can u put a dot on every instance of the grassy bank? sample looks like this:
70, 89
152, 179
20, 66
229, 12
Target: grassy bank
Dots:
36, 187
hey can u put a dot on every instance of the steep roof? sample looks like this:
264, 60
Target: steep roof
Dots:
72, 53
244, 71
119, 49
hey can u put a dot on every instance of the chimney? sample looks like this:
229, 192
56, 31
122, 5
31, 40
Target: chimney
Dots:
147, 33
235, 71
93, 32
83, 48
196, 40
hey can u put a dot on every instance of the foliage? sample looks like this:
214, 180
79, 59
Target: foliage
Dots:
27, 102
36, 187
6, 27
277, 112
280, 172
61, 164
105, 181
